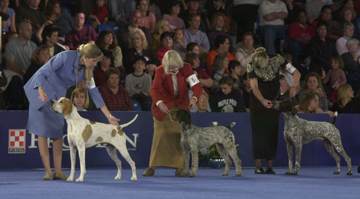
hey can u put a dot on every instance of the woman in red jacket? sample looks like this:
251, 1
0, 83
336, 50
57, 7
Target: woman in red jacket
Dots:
169, 91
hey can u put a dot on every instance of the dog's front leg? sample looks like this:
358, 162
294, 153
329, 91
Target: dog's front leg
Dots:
194, 162
298, 151
185, 171
73, 161
290, 154
81, 150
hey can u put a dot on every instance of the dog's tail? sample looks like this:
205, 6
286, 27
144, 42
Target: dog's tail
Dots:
334, 118
230, 126
129, 123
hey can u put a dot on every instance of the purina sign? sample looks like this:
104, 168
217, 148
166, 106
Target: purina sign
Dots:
17, 141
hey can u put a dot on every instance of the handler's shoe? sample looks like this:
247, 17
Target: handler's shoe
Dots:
149, 172
179, 172
60, 176
48, 176
359, 169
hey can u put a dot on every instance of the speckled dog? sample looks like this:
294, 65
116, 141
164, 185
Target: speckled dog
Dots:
299, 131
196, 139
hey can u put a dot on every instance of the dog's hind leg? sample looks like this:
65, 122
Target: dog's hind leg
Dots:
290, 154
234, 156
336, 143
194, 162
185, 171
113, 155
220, 148
330, 149
121, 147
72, 160
81, 150
298, 150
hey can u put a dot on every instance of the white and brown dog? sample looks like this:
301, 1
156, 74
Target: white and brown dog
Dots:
82, 134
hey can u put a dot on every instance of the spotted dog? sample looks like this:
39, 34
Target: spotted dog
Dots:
83, 134
196, 139
299, 131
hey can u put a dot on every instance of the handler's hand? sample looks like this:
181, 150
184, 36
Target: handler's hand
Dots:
113, 120
163, 108
42, 95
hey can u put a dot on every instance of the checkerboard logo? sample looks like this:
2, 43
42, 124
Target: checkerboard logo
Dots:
17, 141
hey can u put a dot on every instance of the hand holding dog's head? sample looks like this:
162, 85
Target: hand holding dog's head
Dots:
63, 106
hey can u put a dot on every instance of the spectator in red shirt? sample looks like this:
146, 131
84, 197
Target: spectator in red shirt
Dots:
100, 13
166, 44
222, 46
81, 34
115, 96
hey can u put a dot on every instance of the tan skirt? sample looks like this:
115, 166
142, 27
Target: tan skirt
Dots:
165, 149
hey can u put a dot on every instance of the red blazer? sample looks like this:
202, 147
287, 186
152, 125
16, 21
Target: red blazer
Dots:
162, 89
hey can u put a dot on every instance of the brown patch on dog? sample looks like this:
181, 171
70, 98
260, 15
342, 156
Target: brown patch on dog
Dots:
113, 133
99, 139
67, 106
120, 131
86, 134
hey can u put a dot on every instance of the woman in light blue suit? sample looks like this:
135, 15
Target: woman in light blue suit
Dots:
51, 82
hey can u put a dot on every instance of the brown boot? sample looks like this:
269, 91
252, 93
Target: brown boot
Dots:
60, 176
149, 172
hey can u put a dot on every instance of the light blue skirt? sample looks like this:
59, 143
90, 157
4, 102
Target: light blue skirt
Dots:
45, 122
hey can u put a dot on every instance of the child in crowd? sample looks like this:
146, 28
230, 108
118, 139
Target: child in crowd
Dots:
138, 84
335, 77
220, 68
226, 99
80, 98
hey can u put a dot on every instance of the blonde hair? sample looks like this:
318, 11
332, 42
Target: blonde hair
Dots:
90, 50
260, 58
342, 96
172, 58
79, 90
135, 31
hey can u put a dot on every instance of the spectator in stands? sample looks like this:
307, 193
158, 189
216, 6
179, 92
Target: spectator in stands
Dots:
80, 98
172, 16
168, 96
179, 42
100, 12
59, 17
222, 47
203, 103
217, 28
30, 10
120, 10
192, 8
220, 68
237, 73
346, 102
264, 82
300, 34
160, 27
194, 34
321, 49
102, 68
19, 49
334, 31
81, 33
245, 49
115, 96
8, 18
348, 32
147, 19
49, 37
39, 57
245, 13
335, 77
316, 8
227, 99
313, 84
205, 79
138, 47
166, 44
310, 103
221, 7
352, 63
193, 47
272, 14
138, 84
108, 42
291, 76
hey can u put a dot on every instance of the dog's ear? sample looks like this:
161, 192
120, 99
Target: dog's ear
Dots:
67, 106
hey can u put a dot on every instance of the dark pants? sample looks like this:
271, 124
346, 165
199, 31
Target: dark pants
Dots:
245, 17
14, 95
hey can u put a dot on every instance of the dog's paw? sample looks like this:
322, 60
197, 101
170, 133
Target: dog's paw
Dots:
118, 177
336, 173
291, 173
349, 173
70, 179
225, 174
238, 174
80, 179
133, 178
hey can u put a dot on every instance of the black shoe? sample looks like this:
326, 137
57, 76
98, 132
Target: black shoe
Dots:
359, 169
270, 171
259, 171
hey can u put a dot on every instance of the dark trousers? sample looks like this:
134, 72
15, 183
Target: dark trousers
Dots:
245, 17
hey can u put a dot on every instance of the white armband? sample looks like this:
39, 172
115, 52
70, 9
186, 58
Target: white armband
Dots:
192, 80
158, 102
290, 68
91, 84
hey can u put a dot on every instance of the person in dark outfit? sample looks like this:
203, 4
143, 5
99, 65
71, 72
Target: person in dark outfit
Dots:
264, 82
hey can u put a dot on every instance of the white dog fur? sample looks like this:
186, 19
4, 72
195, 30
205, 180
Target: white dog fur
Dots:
83, 134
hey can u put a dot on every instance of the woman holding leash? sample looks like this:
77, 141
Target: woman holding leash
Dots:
50, 82
170, 92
